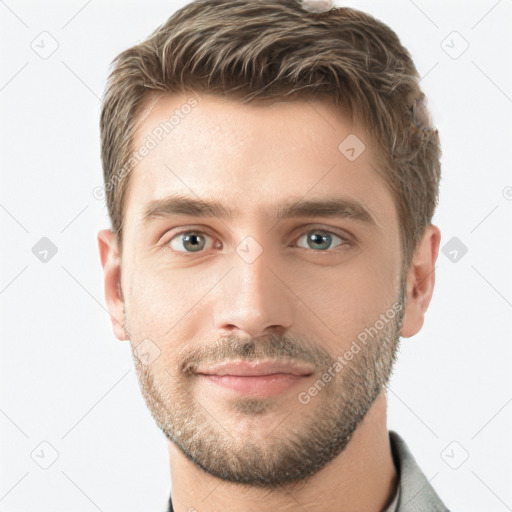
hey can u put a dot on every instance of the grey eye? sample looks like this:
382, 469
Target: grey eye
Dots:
320, 240
192, 241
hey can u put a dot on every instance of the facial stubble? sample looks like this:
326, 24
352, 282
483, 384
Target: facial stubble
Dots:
290, 453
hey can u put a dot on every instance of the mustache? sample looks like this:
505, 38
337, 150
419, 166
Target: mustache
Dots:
273, 346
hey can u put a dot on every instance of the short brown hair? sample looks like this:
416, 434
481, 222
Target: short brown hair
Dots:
264, 49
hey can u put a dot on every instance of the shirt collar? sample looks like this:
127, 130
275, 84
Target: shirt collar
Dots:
414, 489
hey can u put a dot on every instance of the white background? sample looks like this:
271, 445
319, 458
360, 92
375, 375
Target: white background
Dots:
65, 379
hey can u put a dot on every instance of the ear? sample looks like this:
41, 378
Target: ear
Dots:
420, 281
111, 263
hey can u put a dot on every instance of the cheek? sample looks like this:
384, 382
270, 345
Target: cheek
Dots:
161, 302
148, 304
353, 297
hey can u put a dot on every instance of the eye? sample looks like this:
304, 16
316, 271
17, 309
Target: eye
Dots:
192, 241
319, 239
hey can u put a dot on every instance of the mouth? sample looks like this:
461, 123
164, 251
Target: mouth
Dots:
256, 368
261, 378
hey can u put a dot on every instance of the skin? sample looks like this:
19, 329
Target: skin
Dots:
251, 157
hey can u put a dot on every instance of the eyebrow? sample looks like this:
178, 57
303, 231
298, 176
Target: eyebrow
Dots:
326, 207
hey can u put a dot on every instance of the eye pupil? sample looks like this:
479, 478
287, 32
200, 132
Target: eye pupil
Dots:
320, 239
194, 240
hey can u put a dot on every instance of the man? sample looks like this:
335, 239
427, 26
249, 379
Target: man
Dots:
271, 175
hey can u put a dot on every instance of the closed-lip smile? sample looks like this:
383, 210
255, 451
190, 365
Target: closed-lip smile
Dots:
256, 368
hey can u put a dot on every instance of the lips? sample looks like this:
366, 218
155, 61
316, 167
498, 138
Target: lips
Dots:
259, 378
256, 368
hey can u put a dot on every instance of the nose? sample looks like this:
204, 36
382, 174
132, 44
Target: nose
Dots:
254, 298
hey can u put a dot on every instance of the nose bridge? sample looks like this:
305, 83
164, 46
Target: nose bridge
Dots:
253, 299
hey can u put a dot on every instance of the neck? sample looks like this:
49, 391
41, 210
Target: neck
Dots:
362, 477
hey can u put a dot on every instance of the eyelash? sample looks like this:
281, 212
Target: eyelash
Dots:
345, 242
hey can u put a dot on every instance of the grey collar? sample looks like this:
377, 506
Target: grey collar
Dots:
415, 493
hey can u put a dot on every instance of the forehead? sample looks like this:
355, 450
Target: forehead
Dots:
251, 156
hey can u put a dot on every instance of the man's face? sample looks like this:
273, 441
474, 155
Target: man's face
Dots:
243, 315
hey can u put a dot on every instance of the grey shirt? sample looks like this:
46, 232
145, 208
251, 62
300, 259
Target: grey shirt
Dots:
414, 492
